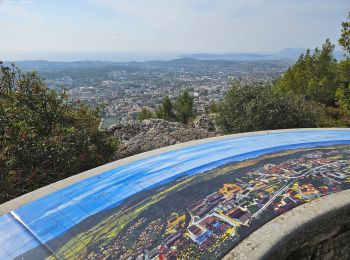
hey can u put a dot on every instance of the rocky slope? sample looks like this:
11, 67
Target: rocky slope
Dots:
141, 136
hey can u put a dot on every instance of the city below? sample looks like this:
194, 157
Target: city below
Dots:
127, 87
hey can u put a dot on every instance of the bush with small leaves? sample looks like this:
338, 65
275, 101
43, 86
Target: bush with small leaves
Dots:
44, 137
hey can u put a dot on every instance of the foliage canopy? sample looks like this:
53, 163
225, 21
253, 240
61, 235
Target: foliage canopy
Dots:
165, 110
182, 111
343, 90
144, 114
344, 39
44, 137
184, 107
254, 108
313, 75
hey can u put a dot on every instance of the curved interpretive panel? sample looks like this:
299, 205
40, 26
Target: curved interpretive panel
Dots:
196, 201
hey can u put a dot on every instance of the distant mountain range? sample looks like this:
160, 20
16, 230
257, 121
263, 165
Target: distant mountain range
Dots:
79, 60
91, 67
289, 53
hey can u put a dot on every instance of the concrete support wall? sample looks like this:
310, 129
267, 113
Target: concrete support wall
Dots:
327, 237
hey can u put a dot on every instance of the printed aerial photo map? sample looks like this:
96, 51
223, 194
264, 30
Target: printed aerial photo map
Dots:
196, 202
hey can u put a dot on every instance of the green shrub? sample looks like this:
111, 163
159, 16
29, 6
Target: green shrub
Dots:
44, 137
253, 108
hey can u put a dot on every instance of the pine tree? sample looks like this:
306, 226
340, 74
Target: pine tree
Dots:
168, 113
343, 91
165, 110
184, 107
144, 114
313, 75
344, 39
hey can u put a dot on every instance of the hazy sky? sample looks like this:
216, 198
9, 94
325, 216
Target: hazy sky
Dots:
167, 26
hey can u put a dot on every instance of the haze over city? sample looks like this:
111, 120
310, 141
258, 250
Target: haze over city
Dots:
159, 29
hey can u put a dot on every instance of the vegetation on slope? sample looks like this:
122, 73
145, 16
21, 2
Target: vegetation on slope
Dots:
314, 92
254, 108
183, 110
44, 137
